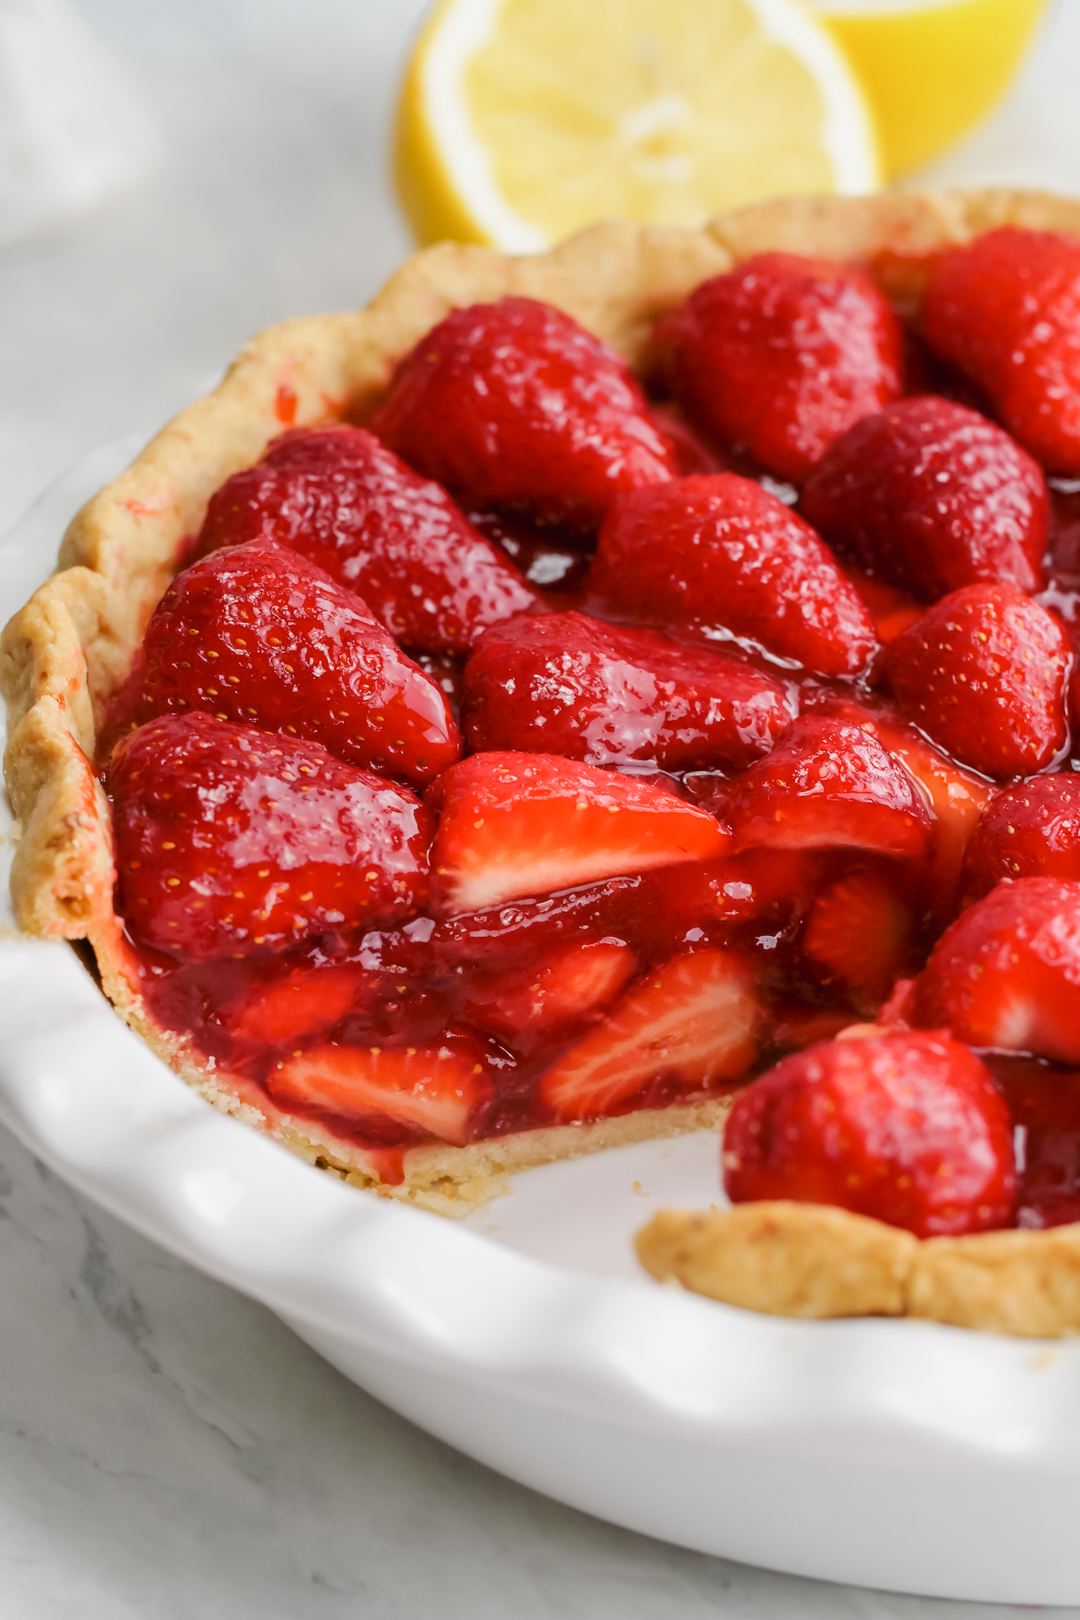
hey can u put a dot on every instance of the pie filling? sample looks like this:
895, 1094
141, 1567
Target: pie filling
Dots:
641, 740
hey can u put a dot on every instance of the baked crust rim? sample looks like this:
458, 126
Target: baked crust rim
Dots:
74, 642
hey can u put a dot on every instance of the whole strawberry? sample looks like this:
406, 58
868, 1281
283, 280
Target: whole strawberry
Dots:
1007, 973
1005, 309
720, 555
230, 840
781, 355
983, 673
564, 683
931, 496
258, 634
908, 1128
341, 499
513, 404
1030, 830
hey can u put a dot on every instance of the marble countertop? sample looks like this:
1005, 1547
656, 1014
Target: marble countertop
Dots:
168, 1449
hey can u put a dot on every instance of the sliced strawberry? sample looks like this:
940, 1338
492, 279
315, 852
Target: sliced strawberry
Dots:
692, 1022
983, 672
1030, 830
563, 683
438, 1091
527, 824
828, 784
230, 840
862, 935
908, 1128
782, 354
562, 989
258, 634
513, 404
723, 557
341, 499
930, 496
307, 1000
1007, 973
1006, 309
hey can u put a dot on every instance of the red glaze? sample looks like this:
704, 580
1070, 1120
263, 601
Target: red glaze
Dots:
1006, 309
1030, 830
563, 986
828, 784
931, 496
513, 404
721, 555
1007, 973
258, 634
228, 839
891, 610
692, 1022
341, 499
1044, 1102
783, 354
908, 1128
514, 824
983, 673
563, 683
303, 1001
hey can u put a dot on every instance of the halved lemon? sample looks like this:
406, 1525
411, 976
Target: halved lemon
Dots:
931, 70
522, 120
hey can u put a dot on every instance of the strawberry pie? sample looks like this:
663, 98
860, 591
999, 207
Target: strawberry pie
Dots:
605, 695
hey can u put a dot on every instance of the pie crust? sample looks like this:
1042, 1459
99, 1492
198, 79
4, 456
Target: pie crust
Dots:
74, 643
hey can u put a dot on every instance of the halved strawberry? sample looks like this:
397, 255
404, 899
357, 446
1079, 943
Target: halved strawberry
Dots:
564, 683
1007, 973
1030, 830
721, 556
525, 824
860, 933
907, 1127
931, 496
259, 634
438, 1091
1004, 308
828, 784
231, 840
513, 404
566, 986
983, 672
692, 1022
782, 354
340, 498
306, 1000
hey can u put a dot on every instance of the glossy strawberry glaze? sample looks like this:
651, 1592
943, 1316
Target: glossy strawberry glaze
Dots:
824, 927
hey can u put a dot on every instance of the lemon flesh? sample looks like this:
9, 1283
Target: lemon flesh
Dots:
931, 71
523, 120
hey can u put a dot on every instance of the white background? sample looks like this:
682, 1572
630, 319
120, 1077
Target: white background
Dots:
167, 1449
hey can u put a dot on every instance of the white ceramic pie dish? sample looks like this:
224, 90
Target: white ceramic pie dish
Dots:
893, 1454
